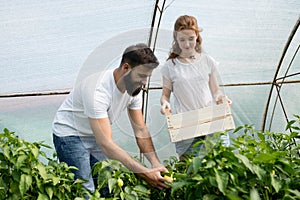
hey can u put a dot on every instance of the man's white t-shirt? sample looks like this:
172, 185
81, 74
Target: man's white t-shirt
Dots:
97, 96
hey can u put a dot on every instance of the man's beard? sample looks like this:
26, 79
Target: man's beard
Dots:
129, 85
136, 91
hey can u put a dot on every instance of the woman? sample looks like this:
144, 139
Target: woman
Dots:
190, 74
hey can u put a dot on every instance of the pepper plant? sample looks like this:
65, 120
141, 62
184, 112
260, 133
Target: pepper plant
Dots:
257, 166
24, 176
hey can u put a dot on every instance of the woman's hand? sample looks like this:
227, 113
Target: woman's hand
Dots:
164, 107
221, 99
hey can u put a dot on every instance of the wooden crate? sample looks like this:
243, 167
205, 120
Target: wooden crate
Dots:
200, 122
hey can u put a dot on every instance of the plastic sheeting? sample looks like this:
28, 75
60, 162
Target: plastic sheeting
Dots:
45, 45
247, 38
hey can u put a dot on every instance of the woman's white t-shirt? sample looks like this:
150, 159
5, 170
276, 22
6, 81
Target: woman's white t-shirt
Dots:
189, 82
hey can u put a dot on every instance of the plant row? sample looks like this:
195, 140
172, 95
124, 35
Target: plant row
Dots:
257, 165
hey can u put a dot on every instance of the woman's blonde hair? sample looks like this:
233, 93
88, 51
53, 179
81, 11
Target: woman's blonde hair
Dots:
182, 23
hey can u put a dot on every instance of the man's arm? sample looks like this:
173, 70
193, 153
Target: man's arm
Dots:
143, 137
103, 134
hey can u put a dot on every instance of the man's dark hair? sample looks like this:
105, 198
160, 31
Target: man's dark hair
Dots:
139, 54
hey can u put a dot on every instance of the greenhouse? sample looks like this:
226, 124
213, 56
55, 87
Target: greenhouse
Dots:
50, 46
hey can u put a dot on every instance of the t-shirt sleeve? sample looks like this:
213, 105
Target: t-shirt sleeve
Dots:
213, 64
136, 102
165, 71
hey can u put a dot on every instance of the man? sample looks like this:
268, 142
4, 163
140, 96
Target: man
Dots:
83, 122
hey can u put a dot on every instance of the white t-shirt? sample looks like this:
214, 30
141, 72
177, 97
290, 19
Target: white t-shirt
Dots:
97, 96
189, 82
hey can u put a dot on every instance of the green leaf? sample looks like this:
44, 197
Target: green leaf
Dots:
6, 152
261, 136
285, 167
210, 164
254, 195
45, 145
97, 194
289, 124
246, 161
260, 172
42, 171
265, 158
233, 196
222, 180
4, 187
122, 195
140, 189
25, 183
237, 129
35, 151
196, 164
16, 174
39, 184
55, 180
198, 178
49, 191
179, 176
294, 134
177, 186
111, 184
295, 128
6, 131
276, 184
210, 197
14, 188
20, 161
295, 192
233, 178
42, 197
25, 169
130, 197
128, 189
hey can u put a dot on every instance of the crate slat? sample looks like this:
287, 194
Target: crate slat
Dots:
200, 122
198, 116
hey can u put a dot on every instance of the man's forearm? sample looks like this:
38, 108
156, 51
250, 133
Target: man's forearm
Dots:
115, 152
143, 136
102, 131
147, 148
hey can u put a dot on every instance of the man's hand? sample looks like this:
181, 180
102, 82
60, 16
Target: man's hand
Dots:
153, 177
